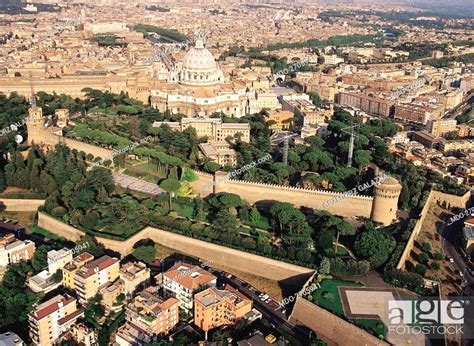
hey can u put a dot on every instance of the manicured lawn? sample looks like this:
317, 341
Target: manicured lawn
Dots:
376, 326
327, 296
47, 234
184, 208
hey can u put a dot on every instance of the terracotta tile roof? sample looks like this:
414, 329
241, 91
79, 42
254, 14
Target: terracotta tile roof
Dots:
189, 276
169, 303
50, 306
98, 265
85, 256
69, 317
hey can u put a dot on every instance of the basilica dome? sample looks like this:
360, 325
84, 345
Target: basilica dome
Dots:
199, 58
199, 67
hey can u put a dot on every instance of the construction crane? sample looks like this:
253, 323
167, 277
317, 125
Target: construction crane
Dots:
351, 142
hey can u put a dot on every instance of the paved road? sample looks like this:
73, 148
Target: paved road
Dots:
271, 311
459, 109
448, 244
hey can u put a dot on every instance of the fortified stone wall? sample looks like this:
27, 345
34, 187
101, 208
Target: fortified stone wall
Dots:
42, 135
332, 329
434, 197
452, 201
235, 259
254, 192
59, 228
22, 204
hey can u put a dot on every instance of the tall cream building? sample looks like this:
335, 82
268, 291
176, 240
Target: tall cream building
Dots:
49, 320
197, 85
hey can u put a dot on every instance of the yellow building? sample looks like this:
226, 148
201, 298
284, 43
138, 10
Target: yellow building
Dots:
93, 276
440, 127
109, 294
52, 318
214, 308
70, 269
283, 120
219, 152
212, 128
134, 274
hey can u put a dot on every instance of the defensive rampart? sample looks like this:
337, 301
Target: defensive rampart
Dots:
21, 204
434, 197
254, 192
235, 259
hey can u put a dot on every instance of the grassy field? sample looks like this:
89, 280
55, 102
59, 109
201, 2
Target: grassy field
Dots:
184, 208
24, 217
328, 296
376, 326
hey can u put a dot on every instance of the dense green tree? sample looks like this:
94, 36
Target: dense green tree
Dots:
171, 186
374, 246
145, 254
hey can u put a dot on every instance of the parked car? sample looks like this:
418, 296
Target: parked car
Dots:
450, 259
268, 300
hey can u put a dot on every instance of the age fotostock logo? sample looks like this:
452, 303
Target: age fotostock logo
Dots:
432, 317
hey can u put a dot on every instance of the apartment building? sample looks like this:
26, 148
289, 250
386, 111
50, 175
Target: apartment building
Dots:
219, 152
43, 281
183, 280
151, 314
49, 320
84, 335
449, 147
134, 274
440, 127
426, 139
366, 103
13, 250
214, 308
212, 128
70, 269
93, 276
415, 113
110, 293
